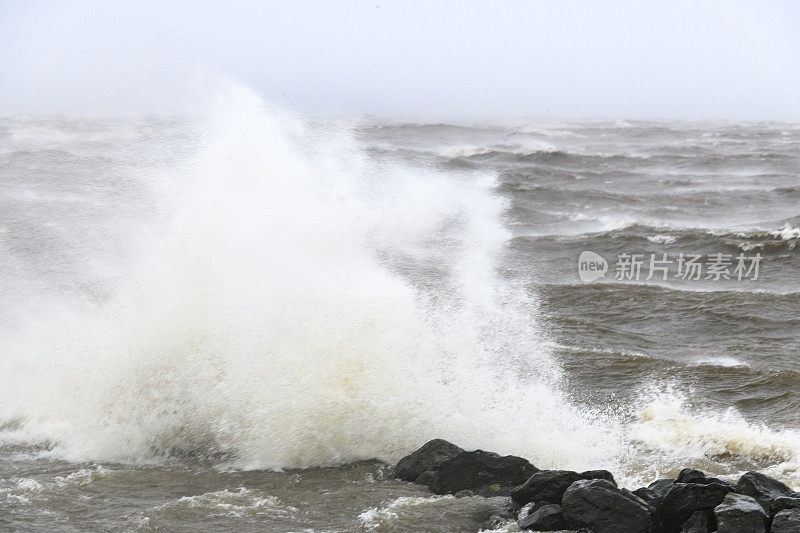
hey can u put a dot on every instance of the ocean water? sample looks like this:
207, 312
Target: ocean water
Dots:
238, 320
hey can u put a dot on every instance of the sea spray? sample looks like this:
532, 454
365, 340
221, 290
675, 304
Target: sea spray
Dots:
293, 302
669, 431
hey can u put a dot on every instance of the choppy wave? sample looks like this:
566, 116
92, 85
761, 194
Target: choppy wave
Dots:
722, 361
662, 238
611, 231
25, 490
378, 518
526, 149
454, 513
720, 442
239, 502
19, 491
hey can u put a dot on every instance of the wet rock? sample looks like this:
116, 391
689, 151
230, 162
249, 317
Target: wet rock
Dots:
786, 521
427, 458
498, 513
426, 477
546, 518
549, 485
699, 522
598, 474
690, 475
739, 513
777, 505
660, 487
598, 504
530, 508
485, 473
654, 492
646, 494
762, 488
682, 500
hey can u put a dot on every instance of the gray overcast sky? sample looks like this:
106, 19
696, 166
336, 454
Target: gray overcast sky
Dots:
423, 60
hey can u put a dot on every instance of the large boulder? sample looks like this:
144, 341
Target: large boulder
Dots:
690, 475
654, 493
648, 496
762, 488
428, 458
682, 500
699, 522
786, 521
484, 473
660, 487
549, 485
546, 518
777, 505
739, 513
598, 504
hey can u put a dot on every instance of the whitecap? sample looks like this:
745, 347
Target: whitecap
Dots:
672, 434
662, 239
787, 233
239, 502
726, 362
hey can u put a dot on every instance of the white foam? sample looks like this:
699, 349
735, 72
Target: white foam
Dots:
662, 239
239, 502
82, 477
408, 511
510, 527
527, 148
674, 435
20, 491
607, 223
722, 361
466, 151
266, 322
788, 233
383, 517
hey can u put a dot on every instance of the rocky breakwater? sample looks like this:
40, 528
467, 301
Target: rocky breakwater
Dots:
563, 500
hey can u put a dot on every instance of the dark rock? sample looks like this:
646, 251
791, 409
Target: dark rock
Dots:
699, 522
535, 506
689, 475
425, 478
777, 505
546, 518
786, 521
429, 457
649, 497
485, 473
739, 513
493, 513
653, 494
762, 488
660, 487
599, 505
682, 500
549, 485
598, 474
